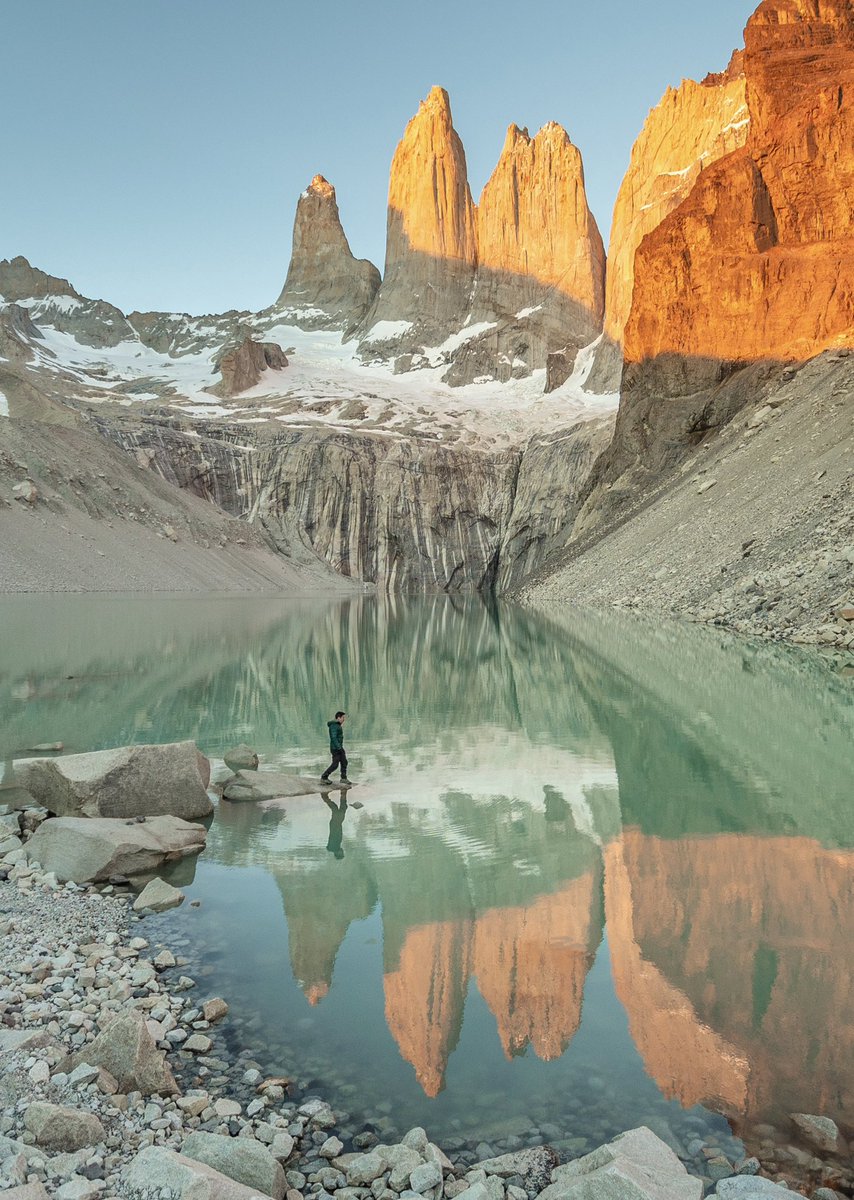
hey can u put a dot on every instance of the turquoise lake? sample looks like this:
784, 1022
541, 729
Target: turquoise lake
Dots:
595, 872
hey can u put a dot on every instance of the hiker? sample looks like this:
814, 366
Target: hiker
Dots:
336, 824
336, 745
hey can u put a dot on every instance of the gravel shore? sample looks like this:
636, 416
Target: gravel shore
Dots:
78, 963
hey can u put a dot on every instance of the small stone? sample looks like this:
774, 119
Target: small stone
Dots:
331, 1148
215, 1010
227, 1108
707, 486
39, 1072
198, 1044
83, 1075
820, 1132
426, 1176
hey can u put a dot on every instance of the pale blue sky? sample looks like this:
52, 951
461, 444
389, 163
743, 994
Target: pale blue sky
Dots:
153, 151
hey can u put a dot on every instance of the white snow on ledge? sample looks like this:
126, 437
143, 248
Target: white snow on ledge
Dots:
387, 331
4, 406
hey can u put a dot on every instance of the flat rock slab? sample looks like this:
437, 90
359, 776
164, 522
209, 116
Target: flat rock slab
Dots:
129, 781
87, 850
157, 1169
30, 1191
752, 1187
273, 785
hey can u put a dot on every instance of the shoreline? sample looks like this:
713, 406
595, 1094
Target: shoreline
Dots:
65, 991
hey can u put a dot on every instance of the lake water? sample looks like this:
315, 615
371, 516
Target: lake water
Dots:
593, 874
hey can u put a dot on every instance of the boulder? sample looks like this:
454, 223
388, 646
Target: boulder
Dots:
634, 1166
821, 1132
26, 491
241, 758
158, 895
242, 1159
129, 781
156, 1170
127, 1050
87, 850
60, 1128
242, 366
29, 1191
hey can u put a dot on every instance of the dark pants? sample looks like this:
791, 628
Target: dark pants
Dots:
339, 759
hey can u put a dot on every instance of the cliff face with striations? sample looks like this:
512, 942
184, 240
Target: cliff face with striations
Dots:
756, 264
690, 128
326, 286
486, 291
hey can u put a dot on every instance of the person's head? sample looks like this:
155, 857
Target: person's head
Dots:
339, 716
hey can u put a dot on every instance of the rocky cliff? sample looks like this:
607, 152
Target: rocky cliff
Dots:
755, 265
326, 286
690, 128
403, 514
486, 292
540, 277
431, 242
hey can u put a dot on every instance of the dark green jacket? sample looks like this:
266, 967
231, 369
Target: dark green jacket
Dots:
336, 735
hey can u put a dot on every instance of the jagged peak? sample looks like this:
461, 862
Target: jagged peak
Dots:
436, 100
20, 280
320, 186
734, 70
836, 13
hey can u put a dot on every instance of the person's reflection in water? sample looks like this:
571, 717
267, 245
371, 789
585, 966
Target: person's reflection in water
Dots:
557, 808
336, 824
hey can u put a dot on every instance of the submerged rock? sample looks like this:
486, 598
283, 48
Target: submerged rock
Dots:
159, 896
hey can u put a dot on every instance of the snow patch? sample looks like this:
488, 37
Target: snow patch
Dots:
387, 331
437, 354
4, 406
527, 312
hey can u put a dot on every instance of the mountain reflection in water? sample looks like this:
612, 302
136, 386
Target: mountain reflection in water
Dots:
532, 795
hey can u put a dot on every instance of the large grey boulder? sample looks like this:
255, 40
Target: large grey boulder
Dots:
60, 1128
127, 1050
634, 1166
242, 1159
87, 850
156, 1171
130, 781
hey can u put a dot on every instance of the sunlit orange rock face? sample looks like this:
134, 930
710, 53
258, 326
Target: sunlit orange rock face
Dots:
530, 964
758, 261
732, 956
509, 281
425, 997
533, 218
431, 239
690, 128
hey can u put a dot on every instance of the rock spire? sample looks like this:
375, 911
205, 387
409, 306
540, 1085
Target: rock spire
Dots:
326, 286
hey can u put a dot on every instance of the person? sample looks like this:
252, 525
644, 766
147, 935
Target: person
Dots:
336, 746
336, 824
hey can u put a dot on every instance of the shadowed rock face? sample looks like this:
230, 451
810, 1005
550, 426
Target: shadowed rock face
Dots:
326, 287
690, 128
242, 367
93, 322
